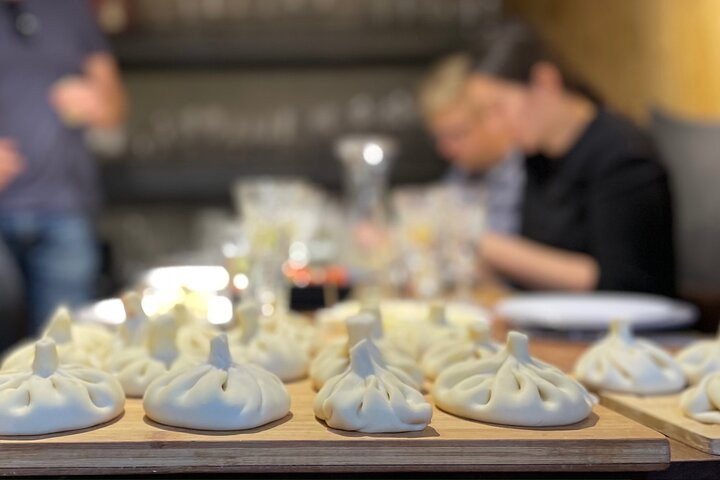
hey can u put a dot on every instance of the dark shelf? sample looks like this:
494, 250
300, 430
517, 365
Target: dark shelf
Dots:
206, 177
283, 48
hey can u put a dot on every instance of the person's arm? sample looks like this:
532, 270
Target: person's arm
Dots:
538, 266
96, 99
11, 163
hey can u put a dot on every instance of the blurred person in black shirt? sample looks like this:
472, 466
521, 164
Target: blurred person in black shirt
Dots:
596, 212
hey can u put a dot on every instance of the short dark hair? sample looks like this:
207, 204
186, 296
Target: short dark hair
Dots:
511, 50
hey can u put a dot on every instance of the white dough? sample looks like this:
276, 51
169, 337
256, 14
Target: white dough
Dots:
275, 351
79, 344
622, 363
298, 328
193, 337
452, 350
511, 388
53, 397
417, 338
699, 359
335, 358
136, 367
217, 395
702, 402
134, 330
369, 398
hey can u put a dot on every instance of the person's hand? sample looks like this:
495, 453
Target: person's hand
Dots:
77, 100
11, 163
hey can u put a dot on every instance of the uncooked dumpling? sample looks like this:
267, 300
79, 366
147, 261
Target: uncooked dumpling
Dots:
297, 327
193, 336
369, 398
417, 337
702, 402
50, 396
622, 363
451, 350
133, 331
699, 359
511, 388
335, 358
136, 367
274, 351
79, 344
217, 395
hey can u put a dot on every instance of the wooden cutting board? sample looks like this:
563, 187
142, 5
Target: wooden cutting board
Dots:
664, 415
606, 441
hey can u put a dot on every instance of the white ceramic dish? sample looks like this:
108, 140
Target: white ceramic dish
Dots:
595, 311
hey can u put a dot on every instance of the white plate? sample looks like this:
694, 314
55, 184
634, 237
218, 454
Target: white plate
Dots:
595, 311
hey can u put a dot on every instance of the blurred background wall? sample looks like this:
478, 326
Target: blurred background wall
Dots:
637, 53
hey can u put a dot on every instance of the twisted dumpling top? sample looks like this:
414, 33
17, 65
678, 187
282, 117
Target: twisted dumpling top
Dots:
511, 388
136, 367
80, 344
50, 396
454, 350
702, 402
218, 394
368, 397
622, 363
699, 359
275, 351
335, 358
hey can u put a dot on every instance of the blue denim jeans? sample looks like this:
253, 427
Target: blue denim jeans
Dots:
58, 256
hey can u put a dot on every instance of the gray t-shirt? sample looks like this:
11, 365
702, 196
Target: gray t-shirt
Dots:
60, 173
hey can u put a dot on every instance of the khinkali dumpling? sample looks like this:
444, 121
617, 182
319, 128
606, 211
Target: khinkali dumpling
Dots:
369, 398
133, 331
298, 328
451, 350
274, 351
50, 396
136, 367
193, 337
702, 402
217, 395
79, 344
335, 358
699, 359
511, 388
622, 363
418, 336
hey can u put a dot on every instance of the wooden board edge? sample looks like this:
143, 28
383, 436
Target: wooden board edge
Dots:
490, 455
693, 439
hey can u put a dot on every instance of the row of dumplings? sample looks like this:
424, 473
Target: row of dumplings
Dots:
620, 362
191, 374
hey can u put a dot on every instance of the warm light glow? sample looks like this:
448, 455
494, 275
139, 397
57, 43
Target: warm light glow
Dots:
195, 278
109, 311
373, 154
241, 281
220, 310
267, 309
298, 255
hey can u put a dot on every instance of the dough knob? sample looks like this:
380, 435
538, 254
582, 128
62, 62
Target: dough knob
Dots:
220, 352
517, 345
360, 327
46, 358
248, 319
60, 326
